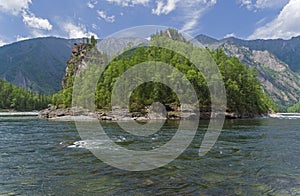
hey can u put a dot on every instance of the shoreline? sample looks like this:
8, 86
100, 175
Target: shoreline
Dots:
75, 114
66, 115
285, 115
19, 113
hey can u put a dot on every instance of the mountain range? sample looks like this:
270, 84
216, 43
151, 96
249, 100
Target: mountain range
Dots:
36, 64
39, 64
277, 63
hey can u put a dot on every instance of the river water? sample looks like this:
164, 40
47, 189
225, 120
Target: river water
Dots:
251, 157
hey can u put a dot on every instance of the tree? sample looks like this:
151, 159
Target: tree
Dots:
16, 98
93, 41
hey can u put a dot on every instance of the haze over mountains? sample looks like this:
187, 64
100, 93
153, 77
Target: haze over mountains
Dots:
288, 51
277, 62
39, 64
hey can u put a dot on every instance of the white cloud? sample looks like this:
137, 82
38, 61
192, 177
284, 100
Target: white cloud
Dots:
158, 9
21, 38
247, 3
76, 31
38, 33
165, 8
103, 16
126, 3
192, 11
188, 12
2, 42
230, 35
91, 4
285, 25
94, 26
14, 6
191, 23
34, 22
263, 4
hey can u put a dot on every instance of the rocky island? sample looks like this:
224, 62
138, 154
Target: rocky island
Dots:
245, 97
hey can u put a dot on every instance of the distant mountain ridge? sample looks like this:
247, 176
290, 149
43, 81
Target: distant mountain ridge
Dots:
39, 64
280, 82
36, 64
288, 51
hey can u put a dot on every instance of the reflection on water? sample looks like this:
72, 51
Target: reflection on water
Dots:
251, 157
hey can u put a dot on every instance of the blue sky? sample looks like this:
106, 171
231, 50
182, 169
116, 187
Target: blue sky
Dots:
248, 19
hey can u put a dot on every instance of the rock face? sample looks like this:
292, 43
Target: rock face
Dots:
174, 35
279, 82
288, 51
75, 64
53, 113
277, 78
115, 46
156, 112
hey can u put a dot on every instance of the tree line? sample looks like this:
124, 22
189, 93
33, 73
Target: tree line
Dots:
19, 99
295, 108
243, 90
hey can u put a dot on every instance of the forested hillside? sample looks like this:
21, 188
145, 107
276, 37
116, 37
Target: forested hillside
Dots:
267, 56
37, 64
244, 92
19, 99
295, 108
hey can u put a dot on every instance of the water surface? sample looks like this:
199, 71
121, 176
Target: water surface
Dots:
251, 157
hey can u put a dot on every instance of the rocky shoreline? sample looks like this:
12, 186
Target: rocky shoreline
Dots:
71, 114
119, 115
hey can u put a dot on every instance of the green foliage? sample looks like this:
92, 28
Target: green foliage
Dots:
93, 41
244, 92
295, 108
15, 98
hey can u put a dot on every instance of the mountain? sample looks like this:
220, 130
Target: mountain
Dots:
288, 51
114, 46
245, 98
40, 64
206, 40
36, 64
279, 81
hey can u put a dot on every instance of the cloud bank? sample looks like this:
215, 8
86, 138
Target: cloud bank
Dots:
285, 25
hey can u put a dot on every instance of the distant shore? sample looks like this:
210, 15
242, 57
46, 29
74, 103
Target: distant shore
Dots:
83, 115
19, 113
285, 115
75, 114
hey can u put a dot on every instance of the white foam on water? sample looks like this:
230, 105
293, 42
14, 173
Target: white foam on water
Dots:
289, 116
19, 113
95, 144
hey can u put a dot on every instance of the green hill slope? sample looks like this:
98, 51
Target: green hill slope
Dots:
16, 98
37, 64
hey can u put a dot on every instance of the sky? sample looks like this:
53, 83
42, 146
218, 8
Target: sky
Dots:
246, 19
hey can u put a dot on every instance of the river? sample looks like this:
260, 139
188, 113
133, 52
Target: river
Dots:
251, 157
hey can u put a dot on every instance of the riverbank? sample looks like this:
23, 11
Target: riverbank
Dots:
71, 114
19, 113
285, 115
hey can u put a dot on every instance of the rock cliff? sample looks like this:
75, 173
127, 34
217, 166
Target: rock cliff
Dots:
275, 72
278, 80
